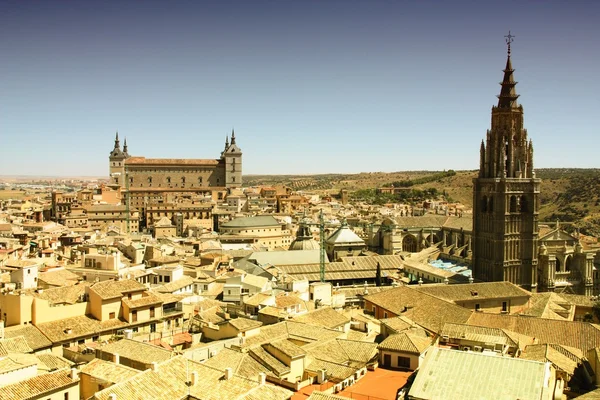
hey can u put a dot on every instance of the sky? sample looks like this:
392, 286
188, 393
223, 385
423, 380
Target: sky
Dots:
309, 86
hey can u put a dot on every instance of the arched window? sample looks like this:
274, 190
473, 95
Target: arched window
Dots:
557, 265
150, 180
568, 264
524, 205
513, 204
484, 204
183, 180
168, 179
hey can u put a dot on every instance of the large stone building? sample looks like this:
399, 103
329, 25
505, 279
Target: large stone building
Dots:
506, 196
147, 181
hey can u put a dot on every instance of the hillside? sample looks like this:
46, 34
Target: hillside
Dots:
567, 194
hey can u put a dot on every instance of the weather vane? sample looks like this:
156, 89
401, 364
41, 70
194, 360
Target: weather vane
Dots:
509, 39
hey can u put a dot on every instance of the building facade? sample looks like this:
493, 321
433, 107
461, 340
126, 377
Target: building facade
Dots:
506, 196
148, 181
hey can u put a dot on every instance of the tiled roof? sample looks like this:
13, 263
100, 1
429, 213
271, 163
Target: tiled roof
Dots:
58, 277
62, 295
324, 396
137, 351
39, 385
115, 289
334, 372
397, 324
169, 382
169, 161
244, 324
549, 305
326, 317
14, 345
147, 299
581, 335
286, 347
108, 371
405, 342
425, 310
63, 330
545, 352
52, 362
8, 364
263, 357
33, 336
176, 285
477, 334
474, 291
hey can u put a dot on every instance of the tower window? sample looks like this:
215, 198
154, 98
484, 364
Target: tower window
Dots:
524, 207
168, 179
491, 205
513, 204
484, 204
150, 180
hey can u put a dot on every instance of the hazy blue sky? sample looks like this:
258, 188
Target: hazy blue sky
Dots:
310, 86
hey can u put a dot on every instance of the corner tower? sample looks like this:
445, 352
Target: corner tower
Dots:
116, 162
505, 195
232, 155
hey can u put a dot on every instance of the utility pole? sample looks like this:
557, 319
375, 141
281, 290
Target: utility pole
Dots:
127, 200
322, 238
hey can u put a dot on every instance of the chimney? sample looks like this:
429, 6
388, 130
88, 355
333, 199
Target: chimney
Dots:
262, 378
228, 373
74, 374
112, 396
116, 358
154, 366
194, 378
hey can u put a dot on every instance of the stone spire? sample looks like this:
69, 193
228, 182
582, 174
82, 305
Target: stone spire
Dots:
232, 136
117, 144
125, 147
508, 95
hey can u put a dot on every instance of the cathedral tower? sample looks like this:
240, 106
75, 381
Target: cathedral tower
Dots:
505, 195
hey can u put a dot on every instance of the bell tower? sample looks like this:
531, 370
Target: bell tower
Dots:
505, 195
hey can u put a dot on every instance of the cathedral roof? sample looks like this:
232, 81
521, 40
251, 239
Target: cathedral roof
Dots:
344, 235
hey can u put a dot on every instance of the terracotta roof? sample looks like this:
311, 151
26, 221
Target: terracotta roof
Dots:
477, 334
474, 291
116, 289
244, 324
62, 295
108, 371
241, 363
326, 317
334, 372
405, 342
37, 386
324, 396
147, 299
546, 352
581, 335
425, 310
169, 161
58, 277
33, 336
14, 345
286, 347
170, 382
75, 327
137, 351
175, 285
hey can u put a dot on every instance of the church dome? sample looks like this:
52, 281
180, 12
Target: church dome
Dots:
304, 244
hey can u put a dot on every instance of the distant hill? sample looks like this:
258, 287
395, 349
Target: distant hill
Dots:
567, 194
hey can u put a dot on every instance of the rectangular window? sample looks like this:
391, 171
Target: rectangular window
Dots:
134, 316
504, 306
403, 362
477, 307
111, 315
151, 312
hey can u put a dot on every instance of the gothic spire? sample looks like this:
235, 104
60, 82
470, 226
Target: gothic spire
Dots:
125, 146
117, 145
232, 136
508, 95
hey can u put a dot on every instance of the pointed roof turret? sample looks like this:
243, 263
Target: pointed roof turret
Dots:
508, 95
125, 148
232, 136
117, 144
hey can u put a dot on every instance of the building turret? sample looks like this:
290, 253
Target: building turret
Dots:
116, 162
232, 155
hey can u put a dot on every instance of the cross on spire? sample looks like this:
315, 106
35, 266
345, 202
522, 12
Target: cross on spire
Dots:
509, 39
